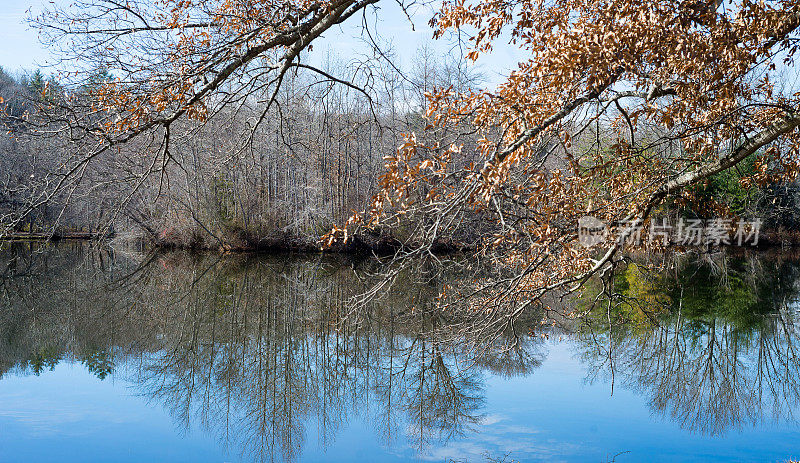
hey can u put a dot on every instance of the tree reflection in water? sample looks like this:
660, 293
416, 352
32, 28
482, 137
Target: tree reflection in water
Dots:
252, 349
713, 344
261, 351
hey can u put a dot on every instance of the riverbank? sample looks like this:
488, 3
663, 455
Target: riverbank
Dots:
380, 244
27, 236
362, 244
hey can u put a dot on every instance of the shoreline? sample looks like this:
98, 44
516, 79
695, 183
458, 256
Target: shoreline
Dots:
378, 245
358, 245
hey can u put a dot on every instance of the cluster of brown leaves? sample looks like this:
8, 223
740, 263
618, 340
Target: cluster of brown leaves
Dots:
193, 49
681, 84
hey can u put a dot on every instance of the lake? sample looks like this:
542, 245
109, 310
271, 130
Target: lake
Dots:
115, 355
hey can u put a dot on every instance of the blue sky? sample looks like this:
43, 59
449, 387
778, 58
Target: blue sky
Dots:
19, 45
21, 49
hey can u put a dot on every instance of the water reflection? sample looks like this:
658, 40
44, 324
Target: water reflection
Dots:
713, 345
258, 351
253, 350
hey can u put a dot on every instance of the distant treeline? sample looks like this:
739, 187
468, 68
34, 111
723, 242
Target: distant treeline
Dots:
313, 160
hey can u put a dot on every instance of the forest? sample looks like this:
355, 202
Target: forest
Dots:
315, 159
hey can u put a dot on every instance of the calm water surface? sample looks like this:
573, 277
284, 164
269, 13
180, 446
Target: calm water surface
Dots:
110, 356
